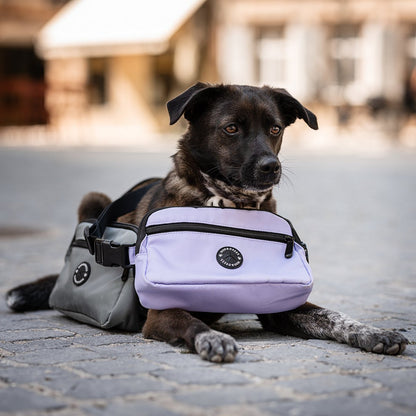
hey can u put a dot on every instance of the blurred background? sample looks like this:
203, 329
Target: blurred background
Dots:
101, 71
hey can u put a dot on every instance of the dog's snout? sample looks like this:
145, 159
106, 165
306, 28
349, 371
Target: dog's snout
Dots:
269, 164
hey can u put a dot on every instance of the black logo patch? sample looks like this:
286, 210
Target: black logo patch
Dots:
229, 257
82, 273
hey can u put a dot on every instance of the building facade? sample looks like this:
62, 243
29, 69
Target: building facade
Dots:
354, 59
111, 65
22, 79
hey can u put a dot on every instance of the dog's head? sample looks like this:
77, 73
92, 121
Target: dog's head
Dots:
235, 132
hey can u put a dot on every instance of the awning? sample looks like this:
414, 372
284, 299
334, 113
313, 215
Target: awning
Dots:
113, 27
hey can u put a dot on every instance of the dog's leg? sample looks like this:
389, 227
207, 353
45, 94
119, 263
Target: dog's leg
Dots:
176, 325
311, 321
31, 296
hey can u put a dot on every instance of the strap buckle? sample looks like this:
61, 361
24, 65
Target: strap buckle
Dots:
89, 239
107, 253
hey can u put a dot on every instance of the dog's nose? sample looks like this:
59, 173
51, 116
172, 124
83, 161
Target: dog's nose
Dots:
269, 164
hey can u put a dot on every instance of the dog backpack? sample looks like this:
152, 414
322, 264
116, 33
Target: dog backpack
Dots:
206, 259
223, 260
96, 284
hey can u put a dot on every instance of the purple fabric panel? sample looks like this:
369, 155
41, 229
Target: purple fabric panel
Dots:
180, 269
190, 258
225, 298
230, 217
132, 255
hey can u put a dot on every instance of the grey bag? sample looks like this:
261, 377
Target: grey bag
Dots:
96, 284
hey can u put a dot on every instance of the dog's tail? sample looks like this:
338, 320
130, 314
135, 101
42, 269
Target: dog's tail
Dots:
31, 296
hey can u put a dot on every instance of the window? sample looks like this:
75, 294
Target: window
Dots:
22, 87
410, 84
97, 81
345, 55
271, 57
411, 49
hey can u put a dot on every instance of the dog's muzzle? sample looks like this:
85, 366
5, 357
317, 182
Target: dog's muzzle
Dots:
267, 171
268, 165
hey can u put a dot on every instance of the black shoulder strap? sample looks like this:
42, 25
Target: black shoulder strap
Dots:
121, 206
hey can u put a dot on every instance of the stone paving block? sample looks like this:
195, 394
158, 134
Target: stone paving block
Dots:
110, 338
38, 374
146, 347
15, 399
23, 321
228, 395
166, 354
278, 369
31, 334
330, 346
57, 355
401, 384
116, 366
364, 361
403, 398
395, 376
140, 349
244, 356
137, 408
61, 321
325, 384
37, 344
114, 387
293, 351
373, 405
108, 372
213, 375
115, 350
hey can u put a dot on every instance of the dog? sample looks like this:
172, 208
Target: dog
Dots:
228, 157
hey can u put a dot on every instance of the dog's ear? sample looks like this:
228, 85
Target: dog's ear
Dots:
190, 101
292, 109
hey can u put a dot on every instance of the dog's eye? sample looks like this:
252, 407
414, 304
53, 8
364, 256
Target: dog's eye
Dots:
275, 130
231, 129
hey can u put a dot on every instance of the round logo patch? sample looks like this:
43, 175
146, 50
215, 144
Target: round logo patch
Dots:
82, 273
229, 257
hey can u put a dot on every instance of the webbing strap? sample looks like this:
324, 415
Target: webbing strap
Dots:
121, 206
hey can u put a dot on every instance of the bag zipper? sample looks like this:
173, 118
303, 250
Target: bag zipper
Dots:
224, 230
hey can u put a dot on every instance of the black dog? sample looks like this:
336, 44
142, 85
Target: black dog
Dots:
227, 157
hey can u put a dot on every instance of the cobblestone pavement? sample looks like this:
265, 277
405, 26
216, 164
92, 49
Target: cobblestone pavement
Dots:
358, 215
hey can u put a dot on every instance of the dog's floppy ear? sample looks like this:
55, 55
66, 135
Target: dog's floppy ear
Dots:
292, 109
188, 102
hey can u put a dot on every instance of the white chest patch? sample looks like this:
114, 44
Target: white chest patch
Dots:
232, 196
218, 201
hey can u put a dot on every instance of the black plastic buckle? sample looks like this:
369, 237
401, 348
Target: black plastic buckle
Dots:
110, 254
89, 240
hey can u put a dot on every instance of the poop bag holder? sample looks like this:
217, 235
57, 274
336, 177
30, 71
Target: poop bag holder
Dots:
96, 284
222, 260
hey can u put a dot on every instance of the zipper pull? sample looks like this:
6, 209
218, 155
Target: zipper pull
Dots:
289, 247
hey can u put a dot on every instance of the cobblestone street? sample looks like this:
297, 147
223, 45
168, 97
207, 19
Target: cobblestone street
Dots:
356, 212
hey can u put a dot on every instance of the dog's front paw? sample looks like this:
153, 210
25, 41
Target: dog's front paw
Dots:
379, 342
216, 347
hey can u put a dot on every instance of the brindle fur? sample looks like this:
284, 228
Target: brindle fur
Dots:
212, 167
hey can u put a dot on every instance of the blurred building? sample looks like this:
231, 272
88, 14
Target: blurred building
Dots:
22, 85
353, 59
111, 65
